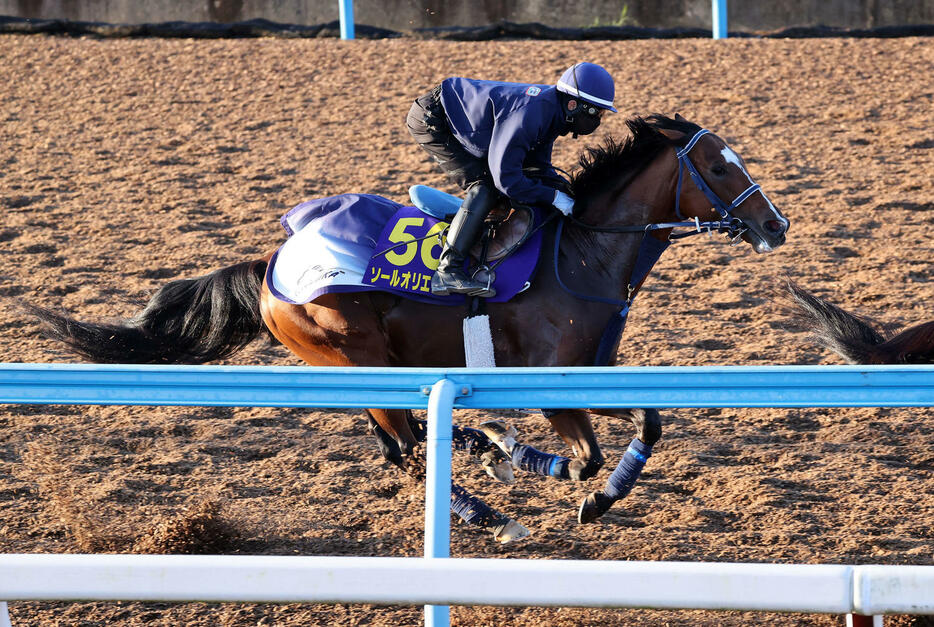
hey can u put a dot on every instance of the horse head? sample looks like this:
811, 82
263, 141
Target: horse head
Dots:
713, 181
671, 172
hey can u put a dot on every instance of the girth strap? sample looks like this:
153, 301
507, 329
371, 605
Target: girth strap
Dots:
650, 250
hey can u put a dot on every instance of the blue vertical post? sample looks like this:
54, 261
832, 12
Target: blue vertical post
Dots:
438, 486
718, 14
346, 14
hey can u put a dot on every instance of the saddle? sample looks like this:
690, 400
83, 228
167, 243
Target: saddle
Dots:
508, 225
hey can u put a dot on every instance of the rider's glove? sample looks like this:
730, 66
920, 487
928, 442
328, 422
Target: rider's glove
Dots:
563, 203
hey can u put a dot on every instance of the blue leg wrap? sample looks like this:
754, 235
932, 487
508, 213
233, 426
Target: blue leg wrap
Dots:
473, 441
472, 510
627, 472
462, 438
539, 462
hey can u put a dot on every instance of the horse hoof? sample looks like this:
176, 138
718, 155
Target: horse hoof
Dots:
593, 507
414, 465
510, 531
581, 471
501, 434
498, 465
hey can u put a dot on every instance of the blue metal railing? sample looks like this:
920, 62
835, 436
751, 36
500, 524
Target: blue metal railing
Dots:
440, 390
438, 485
501, 388
345, 8
718, 18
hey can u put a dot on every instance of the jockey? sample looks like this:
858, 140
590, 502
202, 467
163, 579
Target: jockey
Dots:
484, 133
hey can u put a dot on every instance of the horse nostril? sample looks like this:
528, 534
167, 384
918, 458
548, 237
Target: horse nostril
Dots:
775, 227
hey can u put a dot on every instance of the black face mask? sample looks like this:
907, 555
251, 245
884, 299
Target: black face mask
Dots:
584, 124
582, 118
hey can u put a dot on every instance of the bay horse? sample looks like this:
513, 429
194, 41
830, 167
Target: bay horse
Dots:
859, 339
668, 173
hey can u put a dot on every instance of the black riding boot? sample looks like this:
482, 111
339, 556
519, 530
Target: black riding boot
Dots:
463, 233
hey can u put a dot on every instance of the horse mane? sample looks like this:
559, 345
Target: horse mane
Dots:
604, 165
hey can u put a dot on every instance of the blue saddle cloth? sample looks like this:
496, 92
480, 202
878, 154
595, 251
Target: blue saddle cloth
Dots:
363, 242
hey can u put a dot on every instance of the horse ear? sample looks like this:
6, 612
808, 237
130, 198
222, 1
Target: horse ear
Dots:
671, 133
679, 117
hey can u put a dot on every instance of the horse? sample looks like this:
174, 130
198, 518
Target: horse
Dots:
858, 339
632, 195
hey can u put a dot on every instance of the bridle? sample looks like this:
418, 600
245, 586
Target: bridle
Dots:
725, 211
728, 223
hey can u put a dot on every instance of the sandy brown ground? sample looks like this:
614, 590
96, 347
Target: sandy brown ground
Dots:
128, 163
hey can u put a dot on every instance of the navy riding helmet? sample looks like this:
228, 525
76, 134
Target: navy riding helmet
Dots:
590, 83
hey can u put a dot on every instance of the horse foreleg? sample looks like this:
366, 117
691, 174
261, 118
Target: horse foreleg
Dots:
648, 431
575, 428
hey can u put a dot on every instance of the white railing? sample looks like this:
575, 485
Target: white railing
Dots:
416, 581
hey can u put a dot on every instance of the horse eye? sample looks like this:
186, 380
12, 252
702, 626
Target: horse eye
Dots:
718, 169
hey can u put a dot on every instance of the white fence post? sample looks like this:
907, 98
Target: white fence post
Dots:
4, 615
438, 486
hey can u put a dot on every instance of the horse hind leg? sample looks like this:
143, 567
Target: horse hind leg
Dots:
476, 444
343, 330
388, 447
322, 335
575, 428
398, 451
475, 512
469, 508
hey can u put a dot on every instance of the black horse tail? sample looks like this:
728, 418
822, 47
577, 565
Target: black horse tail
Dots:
189, 321
854, 337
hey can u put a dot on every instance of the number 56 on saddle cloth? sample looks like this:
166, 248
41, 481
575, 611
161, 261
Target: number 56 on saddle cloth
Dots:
364, 242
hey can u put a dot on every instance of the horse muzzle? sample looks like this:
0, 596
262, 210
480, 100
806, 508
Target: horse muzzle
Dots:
766, 236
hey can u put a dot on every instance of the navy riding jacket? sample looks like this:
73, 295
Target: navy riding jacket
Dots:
511, 125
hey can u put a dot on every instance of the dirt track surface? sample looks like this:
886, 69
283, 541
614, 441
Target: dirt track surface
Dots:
128, 163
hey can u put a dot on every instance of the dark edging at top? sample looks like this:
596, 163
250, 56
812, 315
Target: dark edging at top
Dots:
193, 30
500, 30
509, 30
